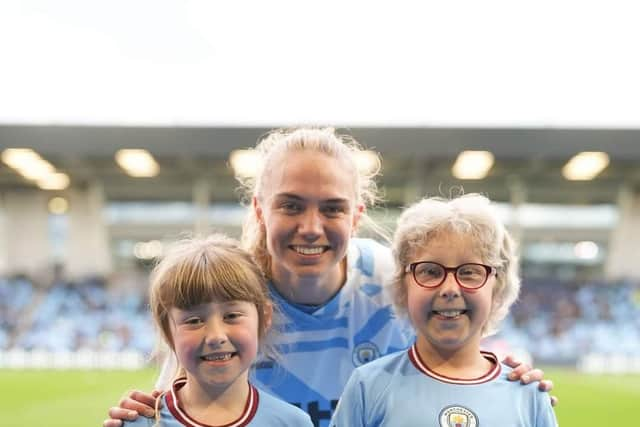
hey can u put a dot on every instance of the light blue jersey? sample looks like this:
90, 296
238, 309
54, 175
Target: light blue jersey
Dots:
261, 410
401, 391
320, 350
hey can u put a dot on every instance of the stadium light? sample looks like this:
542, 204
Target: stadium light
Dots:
244, 162
33, 167
54, 181
585, 166
148, 250
472, 164
586, 250
138, 163
58, 206
19, 158
36, 169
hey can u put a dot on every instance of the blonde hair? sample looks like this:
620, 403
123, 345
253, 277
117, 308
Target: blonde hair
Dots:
473, 216
343, 148
201, 270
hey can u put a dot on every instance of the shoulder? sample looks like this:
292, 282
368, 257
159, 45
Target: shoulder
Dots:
276, 409
536, 402
385, 364
377, 375
369, 257
368, 388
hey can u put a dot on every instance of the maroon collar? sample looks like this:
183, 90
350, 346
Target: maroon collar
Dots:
422, 367
176, 409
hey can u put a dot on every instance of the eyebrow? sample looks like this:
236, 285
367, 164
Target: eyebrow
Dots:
296, 197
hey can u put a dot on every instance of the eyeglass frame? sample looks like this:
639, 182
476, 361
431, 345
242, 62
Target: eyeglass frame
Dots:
412, 268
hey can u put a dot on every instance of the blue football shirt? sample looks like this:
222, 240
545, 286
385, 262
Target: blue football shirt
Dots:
401, 391
261, 410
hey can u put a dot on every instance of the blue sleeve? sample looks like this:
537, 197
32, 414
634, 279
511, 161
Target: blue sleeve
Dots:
350, 409
141, 421
545, 416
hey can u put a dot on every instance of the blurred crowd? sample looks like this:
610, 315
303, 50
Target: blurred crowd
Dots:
554, 321
72, 316
559, 321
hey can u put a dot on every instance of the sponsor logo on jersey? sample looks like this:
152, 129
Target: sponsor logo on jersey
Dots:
365, 352
457, 416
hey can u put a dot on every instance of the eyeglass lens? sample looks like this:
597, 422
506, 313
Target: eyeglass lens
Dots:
432, 274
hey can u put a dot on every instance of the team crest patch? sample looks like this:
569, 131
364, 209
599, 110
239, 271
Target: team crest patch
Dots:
365, 352
457, 416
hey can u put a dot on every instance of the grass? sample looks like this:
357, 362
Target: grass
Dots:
82, 398
65, 398
595, 400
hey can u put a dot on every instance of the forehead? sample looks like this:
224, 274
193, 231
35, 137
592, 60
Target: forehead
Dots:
448, 247
309, 175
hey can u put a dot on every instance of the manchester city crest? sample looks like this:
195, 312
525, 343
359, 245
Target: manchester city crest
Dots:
365, 352
457, 416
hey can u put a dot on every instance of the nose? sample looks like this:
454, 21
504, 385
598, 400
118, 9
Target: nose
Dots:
215, 334
310, 226
449, 289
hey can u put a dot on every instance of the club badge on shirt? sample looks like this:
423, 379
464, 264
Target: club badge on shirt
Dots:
365, 352
457, 416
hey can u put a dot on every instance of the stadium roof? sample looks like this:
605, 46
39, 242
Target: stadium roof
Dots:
415, 160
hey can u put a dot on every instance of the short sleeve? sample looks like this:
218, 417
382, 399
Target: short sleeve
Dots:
350, 409
545, 417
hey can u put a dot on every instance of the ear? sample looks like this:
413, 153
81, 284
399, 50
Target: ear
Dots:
359, 211
257, 209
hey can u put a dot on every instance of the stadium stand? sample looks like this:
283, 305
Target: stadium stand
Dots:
556, 322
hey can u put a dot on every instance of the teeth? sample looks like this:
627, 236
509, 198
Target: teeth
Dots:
218, 357
450, 313
309, 251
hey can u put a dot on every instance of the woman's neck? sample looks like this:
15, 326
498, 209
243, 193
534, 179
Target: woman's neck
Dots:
466, 362
309, 289
212, 405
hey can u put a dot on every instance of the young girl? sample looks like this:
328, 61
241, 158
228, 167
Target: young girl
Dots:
308, 199
456, 277
210, 303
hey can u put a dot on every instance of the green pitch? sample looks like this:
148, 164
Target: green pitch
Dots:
82, 398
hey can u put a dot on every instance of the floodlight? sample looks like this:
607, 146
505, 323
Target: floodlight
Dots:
58, 205
54, 181
585, 166
244, 163
138, 163
472, 164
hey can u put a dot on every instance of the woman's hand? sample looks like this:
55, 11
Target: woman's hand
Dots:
526, 374
133, 404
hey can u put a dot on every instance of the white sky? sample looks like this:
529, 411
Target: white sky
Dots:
394, 63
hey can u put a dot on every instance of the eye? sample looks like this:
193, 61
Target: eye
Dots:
471, 271
193, 320
291, 207
334, 210
232, 316
428, 271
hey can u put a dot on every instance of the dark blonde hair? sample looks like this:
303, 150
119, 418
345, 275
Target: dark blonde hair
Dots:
201, 270
470, 215
343, 148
